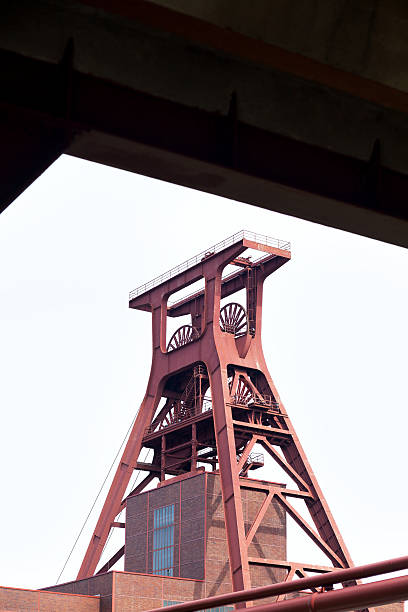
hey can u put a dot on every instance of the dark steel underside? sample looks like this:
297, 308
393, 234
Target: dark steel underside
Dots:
50, 107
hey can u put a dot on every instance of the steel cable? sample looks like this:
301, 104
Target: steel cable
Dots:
130, 489
96, 499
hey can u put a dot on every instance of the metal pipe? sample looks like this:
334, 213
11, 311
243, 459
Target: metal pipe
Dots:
342, 600
280, 588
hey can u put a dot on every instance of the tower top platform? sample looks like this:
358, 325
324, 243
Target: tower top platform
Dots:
243, 235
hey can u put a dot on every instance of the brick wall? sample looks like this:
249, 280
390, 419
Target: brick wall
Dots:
395, 607
25, 600
97, 585
269, 541
136, 533
192, 517
201, 549
131, 593
136, 593
188, 528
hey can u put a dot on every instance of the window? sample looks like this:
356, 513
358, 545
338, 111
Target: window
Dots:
168, 602
163, 541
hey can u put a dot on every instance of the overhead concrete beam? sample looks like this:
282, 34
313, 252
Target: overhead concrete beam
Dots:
367, 38
159, 102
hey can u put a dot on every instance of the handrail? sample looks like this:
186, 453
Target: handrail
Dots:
267, 401
220, 246
205, 407
281, 588
256, 458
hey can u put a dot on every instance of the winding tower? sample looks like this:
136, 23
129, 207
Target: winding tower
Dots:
210, 401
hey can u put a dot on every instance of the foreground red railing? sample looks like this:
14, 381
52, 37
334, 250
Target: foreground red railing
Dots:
348, 598
342, 600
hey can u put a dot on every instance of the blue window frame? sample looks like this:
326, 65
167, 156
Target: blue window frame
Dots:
163, 541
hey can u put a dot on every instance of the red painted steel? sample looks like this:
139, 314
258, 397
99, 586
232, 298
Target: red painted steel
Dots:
258, 519
341, 600
354, 598
224, 355
342, 576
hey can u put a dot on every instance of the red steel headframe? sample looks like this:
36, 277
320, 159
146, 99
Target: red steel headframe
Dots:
222, 351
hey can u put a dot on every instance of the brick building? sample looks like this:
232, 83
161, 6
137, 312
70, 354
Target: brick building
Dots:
192, 543
175, 550
27, 600
176, 546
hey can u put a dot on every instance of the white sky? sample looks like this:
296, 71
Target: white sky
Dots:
74, 360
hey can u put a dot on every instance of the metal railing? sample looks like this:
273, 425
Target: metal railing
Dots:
252, 458
207, 405
190, 413
220, 246
350, 598
266, 401
227, 277
256, 458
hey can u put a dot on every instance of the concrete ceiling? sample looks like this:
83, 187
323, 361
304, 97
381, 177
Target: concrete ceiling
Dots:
300, 107
364, 37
